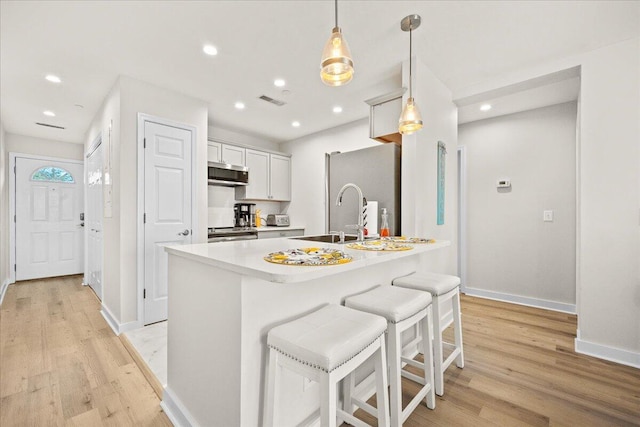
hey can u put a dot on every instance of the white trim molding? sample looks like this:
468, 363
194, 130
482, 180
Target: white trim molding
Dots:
612, 354
517, 299
117, 327
176, 411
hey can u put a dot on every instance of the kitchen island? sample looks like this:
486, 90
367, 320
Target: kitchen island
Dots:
224, 298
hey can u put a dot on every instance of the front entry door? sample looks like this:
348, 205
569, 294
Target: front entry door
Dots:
49, 233
93, 221
167, 208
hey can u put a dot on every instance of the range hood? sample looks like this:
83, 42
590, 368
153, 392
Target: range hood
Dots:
384, 112
227, 175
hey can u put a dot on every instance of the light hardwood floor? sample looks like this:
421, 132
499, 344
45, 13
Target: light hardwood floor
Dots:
521, 370
61, 365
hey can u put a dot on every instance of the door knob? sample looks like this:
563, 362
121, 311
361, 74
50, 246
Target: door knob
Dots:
184, 233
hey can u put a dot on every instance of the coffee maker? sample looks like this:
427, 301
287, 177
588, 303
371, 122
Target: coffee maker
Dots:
245, 214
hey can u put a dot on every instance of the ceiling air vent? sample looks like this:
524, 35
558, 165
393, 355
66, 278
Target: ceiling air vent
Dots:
49, 126
271, 100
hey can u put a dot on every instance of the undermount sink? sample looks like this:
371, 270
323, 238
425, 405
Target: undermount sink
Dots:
326, 238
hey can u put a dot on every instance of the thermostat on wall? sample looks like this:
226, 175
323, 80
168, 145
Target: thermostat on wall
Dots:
504, 183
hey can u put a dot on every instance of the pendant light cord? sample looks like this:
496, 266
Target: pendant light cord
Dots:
410, 65
336, 7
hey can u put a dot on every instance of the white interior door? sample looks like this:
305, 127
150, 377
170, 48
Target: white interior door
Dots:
93, 220
167, 206
49, 234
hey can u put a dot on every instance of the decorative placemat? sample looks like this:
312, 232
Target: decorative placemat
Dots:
309, 257
403, 239
379, 245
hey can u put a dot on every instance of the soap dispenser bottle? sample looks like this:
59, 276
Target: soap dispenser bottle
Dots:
384, 223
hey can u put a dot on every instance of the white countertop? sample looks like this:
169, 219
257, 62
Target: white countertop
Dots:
246, 257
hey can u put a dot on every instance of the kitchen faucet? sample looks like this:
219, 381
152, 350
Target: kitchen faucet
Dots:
362, 202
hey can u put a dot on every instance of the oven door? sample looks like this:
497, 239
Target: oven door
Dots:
249, 235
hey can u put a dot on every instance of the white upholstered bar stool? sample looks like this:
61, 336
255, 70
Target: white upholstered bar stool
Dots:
403, 309
442, 288
327, 346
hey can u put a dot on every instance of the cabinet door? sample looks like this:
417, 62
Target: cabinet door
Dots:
214, 152
280, 183
258, 164
233, 155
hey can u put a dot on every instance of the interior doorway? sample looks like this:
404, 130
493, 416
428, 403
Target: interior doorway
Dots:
165, 176
93, 217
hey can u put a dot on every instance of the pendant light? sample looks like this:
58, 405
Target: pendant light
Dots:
410, 120
336, 66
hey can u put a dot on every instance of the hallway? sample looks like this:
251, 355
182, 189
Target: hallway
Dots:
61, 364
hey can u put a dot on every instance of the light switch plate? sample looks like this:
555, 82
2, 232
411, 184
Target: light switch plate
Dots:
547, 216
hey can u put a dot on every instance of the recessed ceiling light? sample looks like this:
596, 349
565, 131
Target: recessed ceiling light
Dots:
49, 113
337, 109
485, 107
295, 124
279, 82
210, 49
52, 78
240, 105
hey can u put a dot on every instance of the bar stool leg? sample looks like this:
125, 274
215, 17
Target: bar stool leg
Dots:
348, 385
395, 375
427, 352
457, 329
437, 347
382, 394
268, 415
328, 400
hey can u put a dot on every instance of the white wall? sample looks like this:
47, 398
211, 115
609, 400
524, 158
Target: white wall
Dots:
43, 147
242, 138
608, 242
128, 98
419, 168
307, 205
510, 250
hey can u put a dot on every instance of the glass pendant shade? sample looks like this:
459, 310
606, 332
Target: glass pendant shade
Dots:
336, 64
410, 119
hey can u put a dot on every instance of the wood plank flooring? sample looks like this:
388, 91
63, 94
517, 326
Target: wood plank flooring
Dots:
521, 370
61, 364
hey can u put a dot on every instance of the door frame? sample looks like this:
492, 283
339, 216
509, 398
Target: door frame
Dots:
95, 144
12, 201
142, 118
462, 216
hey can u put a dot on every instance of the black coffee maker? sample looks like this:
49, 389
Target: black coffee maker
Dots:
245, 214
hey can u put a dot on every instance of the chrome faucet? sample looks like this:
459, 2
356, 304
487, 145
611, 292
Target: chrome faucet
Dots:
362, 202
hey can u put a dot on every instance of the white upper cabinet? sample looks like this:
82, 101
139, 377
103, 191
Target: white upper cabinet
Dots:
269, 177
214, 152
280, 178
225, 153
258, 164
233, 155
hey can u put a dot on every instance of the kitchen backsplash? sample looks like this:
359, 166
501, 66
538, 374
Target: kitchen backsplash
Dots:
222, 199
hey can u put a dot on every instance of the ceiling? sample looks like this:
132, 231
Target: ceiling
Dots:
89, 43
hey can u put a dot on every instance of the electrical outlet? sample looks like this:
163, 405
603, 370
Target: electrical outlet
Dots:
547, 216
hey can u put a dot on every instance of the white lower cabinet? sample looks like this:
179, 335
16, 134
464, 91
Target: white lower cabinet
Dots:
270, 234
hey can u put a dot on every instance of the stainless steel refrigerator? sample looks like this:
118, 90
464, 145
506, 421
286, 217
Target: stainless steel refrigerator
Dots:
376, 170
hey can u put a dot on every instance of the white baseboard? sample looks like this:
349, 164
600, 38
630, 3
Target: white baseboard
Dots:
3, 289
116, 326
612, 354
175, 410
517, 299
